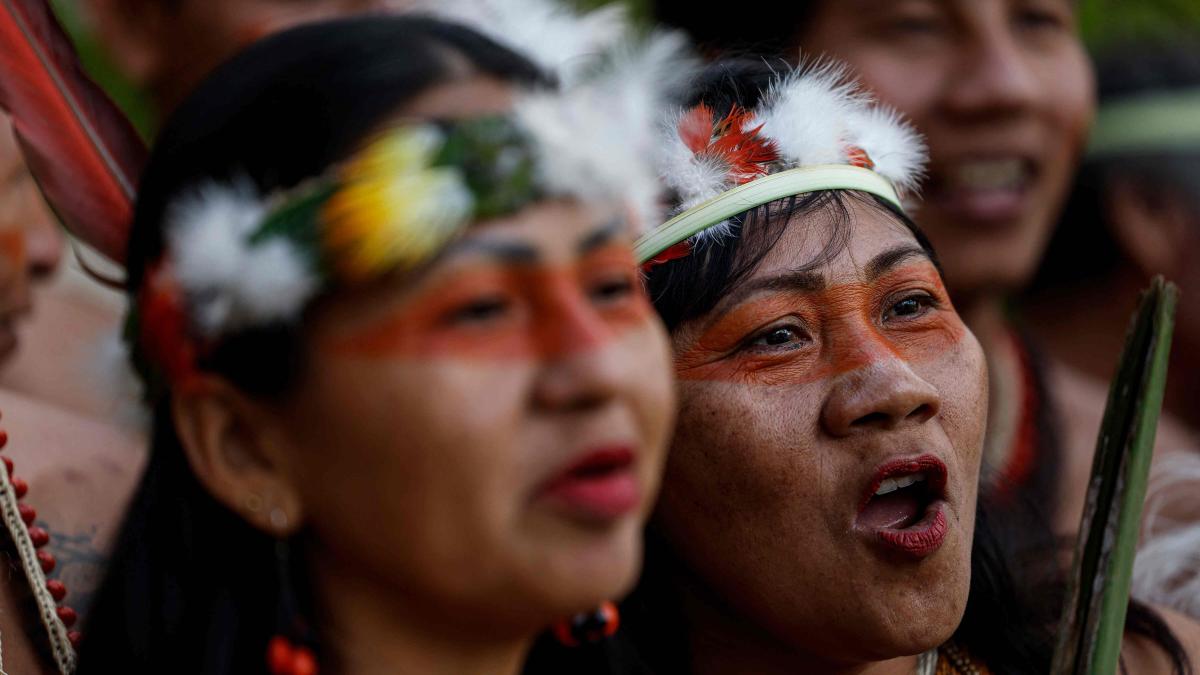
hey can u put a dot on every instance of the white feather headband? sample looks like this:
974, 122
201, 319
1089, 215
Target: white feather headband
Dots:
548, 32
814, 129
236, 259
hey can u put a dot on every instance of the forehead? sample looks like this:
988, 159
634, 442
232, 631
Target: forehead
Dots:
550, 231
467, 96
835, 244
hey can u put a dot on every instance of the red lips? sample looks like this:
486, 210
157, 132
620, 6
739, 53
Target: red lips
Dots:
599, 486
909, 520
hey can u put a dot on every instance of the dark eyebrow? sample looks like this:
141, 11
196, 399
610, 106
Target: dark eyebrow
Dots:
810, 282
600, 236
784, 281
522, 253
506, 251
890, 258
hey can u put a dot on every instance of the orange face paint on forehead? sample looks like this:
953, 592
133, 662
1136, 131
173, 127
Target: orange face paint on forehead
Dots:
845, 327
512, 310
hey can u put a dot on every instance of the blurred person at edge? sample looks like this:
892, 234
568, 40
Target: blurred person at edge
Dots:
58, 406
62, 393
1135, 209
167, 46
1135, 212
1004, 93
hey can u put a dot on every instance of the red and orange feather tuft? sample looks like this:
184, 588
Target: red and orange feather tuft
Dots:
731, 141
78, 145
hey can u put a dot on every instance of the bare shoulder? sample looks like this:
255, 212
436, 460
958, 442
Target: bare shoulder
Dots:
1079, 400
1142, 656
81, 475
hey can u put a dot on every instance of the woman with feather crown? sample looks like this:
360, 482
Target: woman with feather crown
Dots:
820, 509
450, 224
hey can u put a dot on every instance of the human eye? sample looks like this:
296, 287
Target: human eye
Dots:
915, 22
779, 337
1044, 17
480, 309
612, 287
910, 306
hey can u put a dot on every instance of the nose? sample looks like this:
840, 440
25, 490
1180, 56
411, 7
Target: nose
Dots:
581, 364
44, 245
884, 394
994, 76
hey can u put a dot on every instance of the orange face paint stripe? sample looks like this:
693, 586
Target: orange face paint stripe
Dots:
548, 313
844, 322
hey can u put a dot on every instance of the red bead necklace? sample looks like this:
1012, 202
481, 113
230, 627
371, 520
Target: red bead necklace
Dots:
40, 538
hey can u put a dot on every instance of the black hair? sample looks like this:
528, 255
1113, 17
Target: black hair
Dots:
1124, 71
191, 586
1017, 590
771, 28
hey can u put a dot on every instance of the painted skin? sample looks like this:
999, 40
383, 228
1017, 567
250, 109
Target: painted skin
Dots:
794, 395
425, 462
527, 348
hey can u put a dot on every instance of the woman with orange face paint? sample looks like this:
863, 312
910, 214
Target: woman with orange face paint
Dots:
1004, 93
820, 508
411, 405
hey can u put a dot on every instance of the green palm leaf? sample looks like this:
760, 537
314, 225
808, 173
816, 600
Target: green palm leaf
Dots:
1093, 622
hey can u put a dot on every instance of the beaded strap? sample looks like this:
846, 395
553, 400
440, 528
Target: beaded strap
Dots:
56, 630
955, 660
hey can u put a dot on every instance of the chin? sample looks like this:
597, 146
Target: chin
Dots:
589, 573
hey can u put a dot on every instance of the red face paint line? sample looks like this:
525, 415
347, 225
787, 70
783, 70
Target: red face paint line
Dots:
12, 248
502, 311
843, 326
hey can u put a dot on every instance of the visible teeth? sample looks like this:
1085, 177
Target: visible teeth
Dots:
893, 484
996, 174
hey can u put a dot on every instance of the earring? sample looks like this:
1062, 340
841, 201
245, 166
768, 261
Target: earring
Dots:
588, 627
285, 655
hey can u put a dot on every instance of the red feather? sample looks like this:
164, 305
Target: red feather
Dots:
730, 141
80, 148
696, 128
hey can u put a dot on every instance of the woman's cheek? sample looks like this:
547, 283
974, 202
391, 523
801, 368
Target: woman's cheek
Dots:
961, 379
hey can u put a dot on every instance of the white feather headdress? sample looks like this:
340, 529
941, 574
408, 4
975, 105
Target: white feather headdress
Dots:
551, 34
231, 261
811, 117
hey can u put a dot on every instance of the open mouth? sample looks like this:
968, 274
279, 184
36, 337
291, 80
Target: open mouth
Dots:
903, 506
986, 190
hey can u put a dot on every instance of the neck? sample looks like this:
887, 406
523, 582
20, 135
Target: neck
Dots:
369, 628
722, 641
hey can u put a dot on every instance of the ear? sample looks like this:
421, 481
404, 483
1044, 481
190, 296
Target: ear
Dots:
236, 451
1151, 226
131, 32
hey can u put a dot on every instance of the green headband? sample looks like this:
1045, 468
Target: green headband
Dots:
1168, 120
758, 192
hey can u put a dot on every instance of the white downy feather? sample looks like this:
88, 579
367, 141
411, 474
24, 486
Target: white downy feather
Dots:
1167, 568
228, 283
694, 179
813, 114
596, 139
808, 111
554, 35
892, 144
